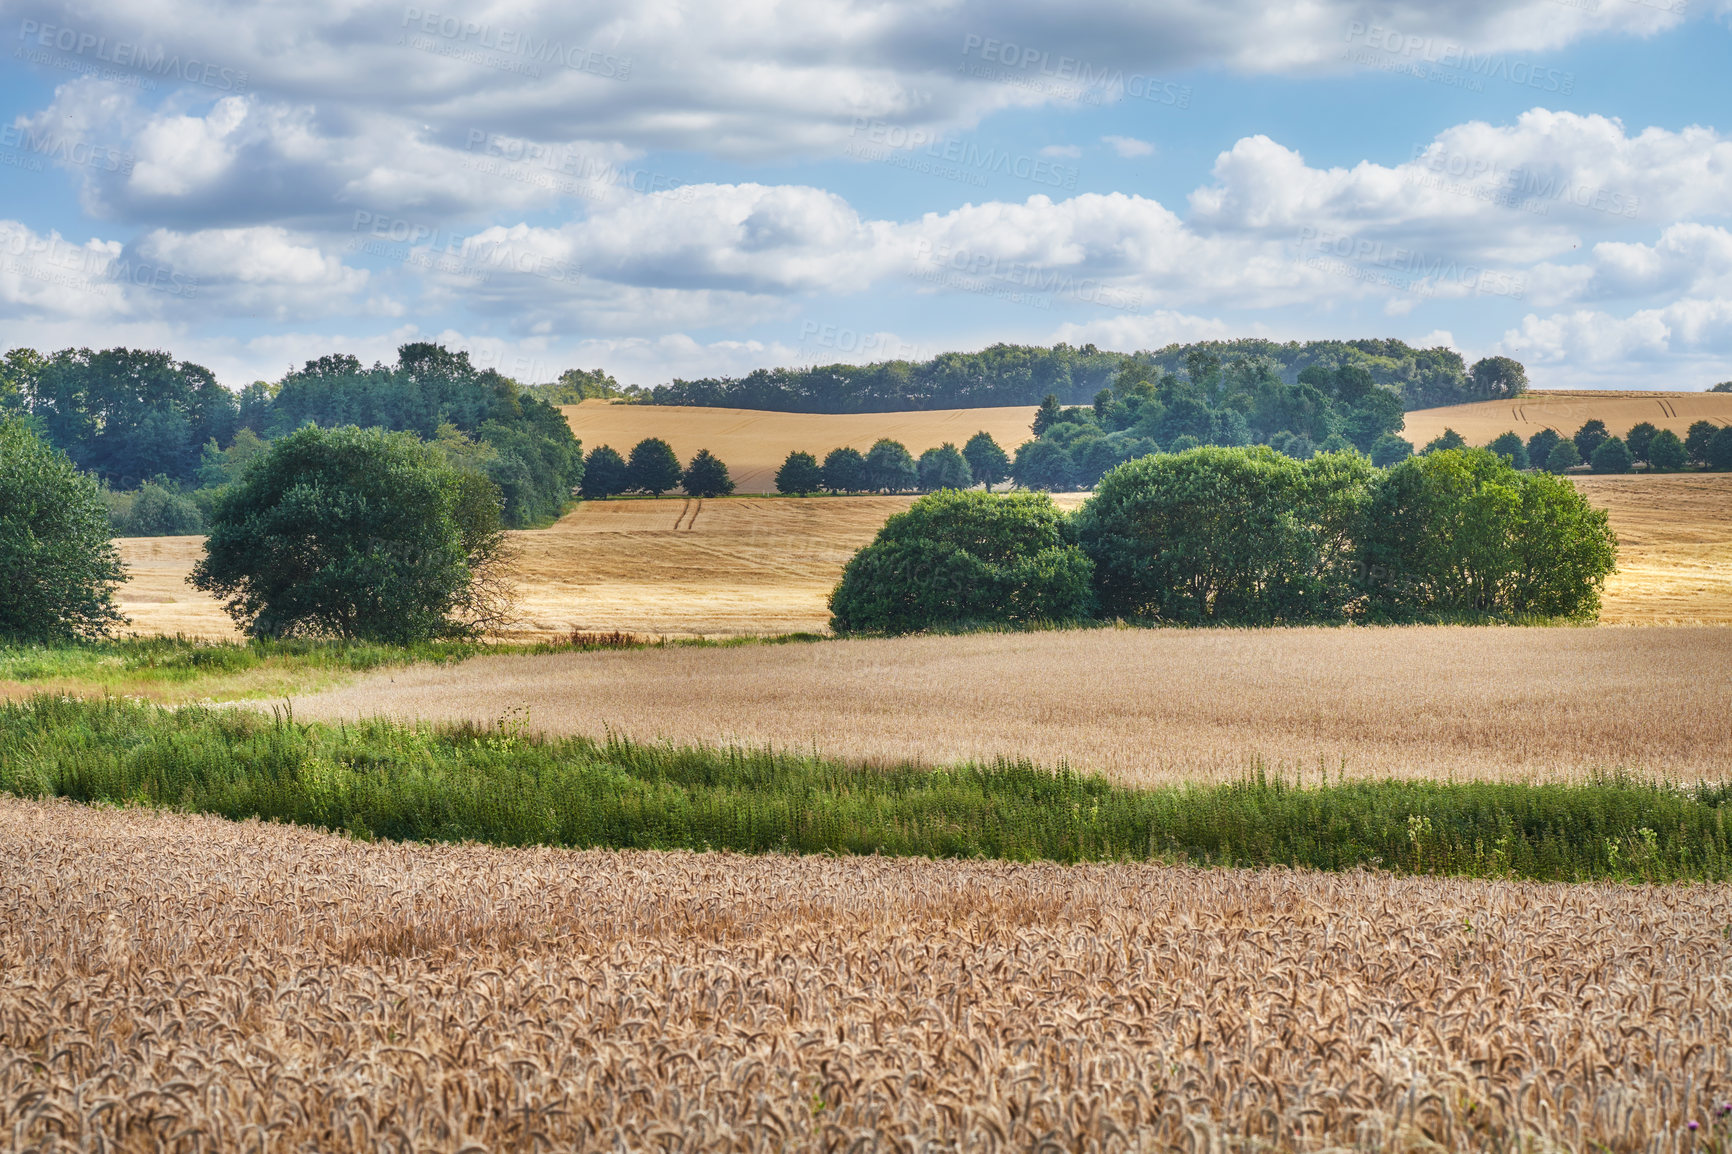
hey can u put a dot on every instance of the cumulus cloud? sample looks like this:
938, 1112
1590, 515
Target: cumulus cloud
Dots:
1128, 147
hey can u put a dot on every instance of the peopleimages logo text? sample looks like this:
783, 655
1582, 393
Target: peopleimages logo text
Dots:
516, 42
125, 54
1444, 54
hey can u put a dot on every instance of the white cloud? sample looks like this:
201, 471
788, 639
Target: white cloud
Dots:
1069, 151
1129, 147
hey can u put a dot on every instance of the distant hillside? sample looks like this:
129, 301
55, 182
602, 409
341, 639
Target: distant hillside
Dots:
1024, 374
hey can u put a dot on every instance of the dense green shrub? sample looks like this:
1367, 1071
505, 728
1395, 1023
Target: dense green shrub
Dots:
958, 559
800, 474
1388, 449
1219, 535
358, 534
1448, 439
156, 511
1460, 533
58, 568
706, 476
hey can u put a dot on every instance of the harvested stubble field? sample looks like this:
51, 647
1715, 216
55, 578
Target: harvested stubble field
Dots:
755, 442
1566, 410
1145, 707
180, 983
743, 566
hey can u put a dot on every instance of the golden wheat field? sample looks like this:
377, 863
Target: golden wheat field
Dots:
1146, 707
1565, 411
175, 983
755, 442
744, 566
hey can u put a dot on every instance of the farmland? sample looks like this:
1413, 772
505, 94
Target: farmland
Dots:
276, 988
1565, 411
752, 566
1146, 707
754, 443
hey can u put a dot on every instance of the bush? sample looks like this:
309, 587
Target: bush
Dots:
958, 559
1640, 440
1563, 457
1666, 451
944, 468
800, 473
653, 468
58, 567
986, 459
1388, 449
1509, 446
1460, 533
1611, 456
605, 474
157, 511
357, 534
1219, 535
706, 476
890, 468
844, 471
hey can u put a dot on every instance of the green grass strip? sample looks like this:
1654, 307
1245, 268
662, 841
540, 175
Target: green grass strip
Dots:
506, 787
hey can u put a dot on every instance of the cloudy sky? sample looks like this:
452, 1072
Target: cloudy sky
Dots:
688, 189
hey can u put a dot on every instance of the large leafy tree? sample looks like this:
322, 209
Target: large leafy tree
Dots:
706, 476
58, 568
1460, 533
958, 559
844, 470
605, 474
1224, 535
944, 467
800, 474
358, 534
128, 415
654, 466
890, 467
1497, 379
987, 460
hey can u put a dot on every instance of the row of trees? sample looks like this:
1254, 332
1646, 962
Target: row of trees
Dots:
888, 467
652, 468
1022, 374
1245, 536
1704, 445
136, 416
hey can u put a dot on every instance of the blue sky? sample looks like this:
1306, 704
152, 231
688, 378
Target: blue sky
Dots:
670, 190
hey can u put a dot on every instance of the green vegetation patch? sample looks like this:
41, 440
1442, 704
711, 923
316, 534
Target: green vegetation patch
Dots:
506, 786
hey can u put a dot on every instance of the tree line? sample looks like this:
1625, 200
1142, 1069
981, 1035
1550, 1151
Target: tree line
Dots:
1219, 535
1005, 374
653, 468
165, 437
888, 467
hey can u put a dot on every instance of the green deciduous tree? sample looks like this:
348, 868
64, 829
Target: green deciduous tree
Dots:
1698, 438
1540, 447
1498, 378
1388, 449
890, 467
358, 534
958, 559
1639, 438
844, 470
1218, 535
1666, 452
989, 463
800, 473
1611, 456
654, 467
158, 511
1589, 436
1510, 447
1448, 439
944, 467
58, 568
1459, 532
605, 474
1720, 450
1563, 457
706, 476
1042, 464
1048, 412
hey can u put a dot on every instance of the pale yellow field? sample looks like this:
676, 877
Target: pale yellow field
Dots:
743, 566
754, 443
184, 983
1565, 411
1144, 706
